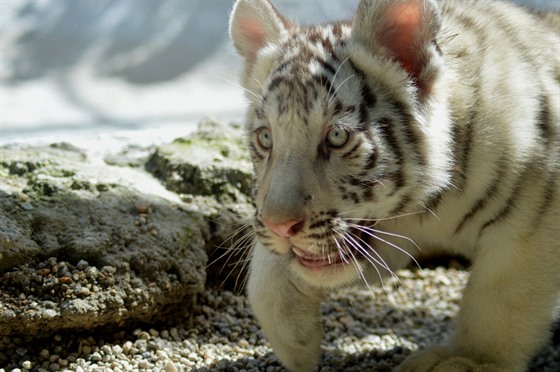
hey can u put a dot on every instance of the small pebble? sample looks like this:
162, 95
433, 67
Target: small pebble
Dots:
364, 330
142, 206
127, 346
27, 364
26, 206
170, 367
143, 364
86, 349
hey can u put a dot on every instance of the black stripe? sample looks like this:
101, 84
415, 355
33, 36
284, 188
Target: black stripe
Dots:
261, 234
385, 125
463, 137
330, 212
355, 198
368, 195
368, 98
320, 223
410, 131
283, 66
323, 152
398, 179
324, 81
337, 107
318, 236
367, 102
549, 194
259, 112
275, 83
511, 202
327, 66
371, 160
366, 95
364, 116
254, 152
258, 223
365, 184
401, 207
544, 122
526, 52
433, 201
352, 150
489, 194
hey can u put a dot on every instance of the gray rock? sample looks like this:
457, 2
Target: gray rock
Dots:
85, 243
211, 170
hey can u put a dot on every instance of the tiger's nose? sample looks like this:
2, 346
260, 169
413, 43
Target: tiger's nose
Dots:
285, 229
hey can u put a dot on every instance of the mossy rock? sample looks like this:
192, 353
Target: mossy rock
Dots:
212, 161
85, 245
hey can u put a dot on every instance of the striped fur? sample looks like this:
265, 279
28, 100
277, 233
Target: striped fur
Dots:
416, 126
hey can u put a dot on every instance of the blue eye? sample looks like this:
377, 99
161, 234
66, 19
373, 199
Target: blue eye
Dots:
337, 137
264, 138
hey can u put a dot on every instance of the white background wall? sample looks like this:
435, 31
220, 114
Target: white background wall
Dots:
149, 70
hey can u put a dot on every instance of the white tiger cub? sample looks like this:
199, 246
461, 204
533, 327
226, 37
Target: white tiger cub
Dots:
417, 124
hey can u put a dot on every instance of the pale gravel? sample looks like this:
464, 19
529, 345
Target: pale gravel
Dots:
365, 330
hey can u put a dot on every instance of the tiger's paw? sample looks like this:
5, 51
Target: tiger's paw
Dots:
441, 359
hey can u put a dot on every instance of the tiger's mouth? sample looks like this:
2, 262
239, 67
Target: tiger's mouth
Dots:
345, 253
316, 261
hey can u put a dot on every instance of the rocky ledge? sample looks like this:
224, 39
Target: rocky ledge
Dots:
108, 242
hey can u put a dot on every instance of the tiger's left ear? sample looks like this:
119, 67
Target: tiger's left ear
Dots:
408, 30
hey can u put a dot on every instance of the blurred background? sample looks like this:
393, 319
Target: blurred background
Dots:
106, 72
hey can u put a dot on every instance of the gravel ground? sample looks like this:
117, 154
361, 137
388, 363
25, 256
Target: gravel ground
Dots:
365, 331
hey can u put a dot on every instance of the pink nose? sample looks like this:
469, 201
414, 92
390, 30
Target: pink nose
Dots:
285, 229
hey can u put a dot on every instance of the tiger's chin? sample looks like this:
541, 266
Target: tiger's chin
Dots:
326, 270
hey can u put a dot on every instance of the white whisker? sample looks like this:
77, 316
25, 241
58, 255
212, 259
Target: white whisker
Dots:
340, 86
257, 96
380, 261
381, 219
368, 232
239, 247
334, 78
363, 228
371, 259
430, 211
384, 264
341, 251
359, 269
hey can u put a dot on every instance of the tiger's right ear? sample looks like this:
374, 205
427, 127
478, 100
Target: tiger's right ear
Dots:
253, 24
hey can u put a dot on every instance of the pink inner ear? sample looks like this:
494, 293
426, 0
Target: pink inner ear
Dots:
403, 28
254, 35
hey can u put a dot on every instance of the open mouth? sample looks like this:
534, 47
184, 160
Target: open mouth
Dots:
317, 261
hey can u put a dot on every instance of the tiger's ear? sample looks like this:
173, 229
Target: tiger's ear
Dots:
253, 24
407, 29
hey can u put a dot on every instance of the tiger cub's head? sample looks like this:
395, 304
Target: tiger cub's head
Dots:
339, 126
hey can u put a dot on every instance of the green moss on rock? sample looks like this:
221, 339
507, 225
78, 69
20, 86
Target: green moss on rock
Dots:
211, 162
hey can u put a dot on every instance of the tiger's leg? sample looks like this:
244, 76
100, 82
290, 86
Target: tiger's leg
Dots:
506, 311
288, 311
